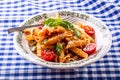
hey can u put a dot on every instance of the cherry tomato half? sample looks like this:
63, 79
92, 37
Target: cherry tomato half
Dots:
89, 30
90, 48
48, 55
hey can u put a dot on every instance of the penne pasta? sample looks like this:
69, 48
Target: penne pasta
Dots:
79, 52
29, 37
54, 39
38, 49
87, 38
64, 59
76, 43
26, 31
58, 29
59, 41
80, 25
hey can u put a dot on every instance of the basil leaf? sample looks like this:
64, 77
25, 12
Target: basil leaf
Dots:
63, 24
58, 48
50, 22
77, 33
68, 24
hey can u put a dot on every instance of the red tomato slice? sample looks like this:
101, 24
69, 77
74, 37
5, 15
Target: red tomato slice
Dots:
89, 30
90, 48
48, 55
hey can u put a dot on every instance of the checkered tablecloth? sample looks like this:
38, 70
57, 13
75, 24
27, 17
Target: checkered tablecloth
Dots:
14, 67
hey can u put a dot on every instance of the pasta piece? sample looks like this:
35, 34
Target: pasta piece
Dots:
39, 39
38, 49
66, 57
68, 34
76, 43
69, 59
29, 31
55, 30
26, 31
62, 55
56, 59
49, 30
36, 31
47, 47
79, 52
68, 39
32, 43
87, 38
59, 29
72, 58
61, 59
80, 25
41, 32
76, 57
54, 39
29, 37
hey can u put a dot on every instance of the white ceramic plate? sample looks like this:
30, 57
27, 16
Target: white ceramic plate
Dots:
103, 40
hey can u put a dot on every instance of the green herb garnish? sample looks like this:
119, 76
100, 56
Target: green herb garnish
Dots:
51, 22
77, 33
58, 48
66, 24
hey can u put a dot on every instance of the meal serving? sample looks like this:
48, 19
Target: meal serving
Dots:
58, 40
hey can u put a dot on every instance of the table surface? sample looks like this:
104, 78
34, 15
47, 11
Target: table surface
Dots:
14, 67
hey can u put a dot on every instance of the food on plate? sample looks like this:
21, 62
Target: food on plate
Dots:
61, 41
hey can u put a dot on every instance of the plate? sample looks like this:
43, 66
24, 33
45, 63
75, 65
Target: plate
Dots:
103, 39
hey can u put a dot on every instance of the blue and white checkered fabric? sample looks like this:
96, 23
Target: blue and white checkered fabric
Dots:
14, 67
